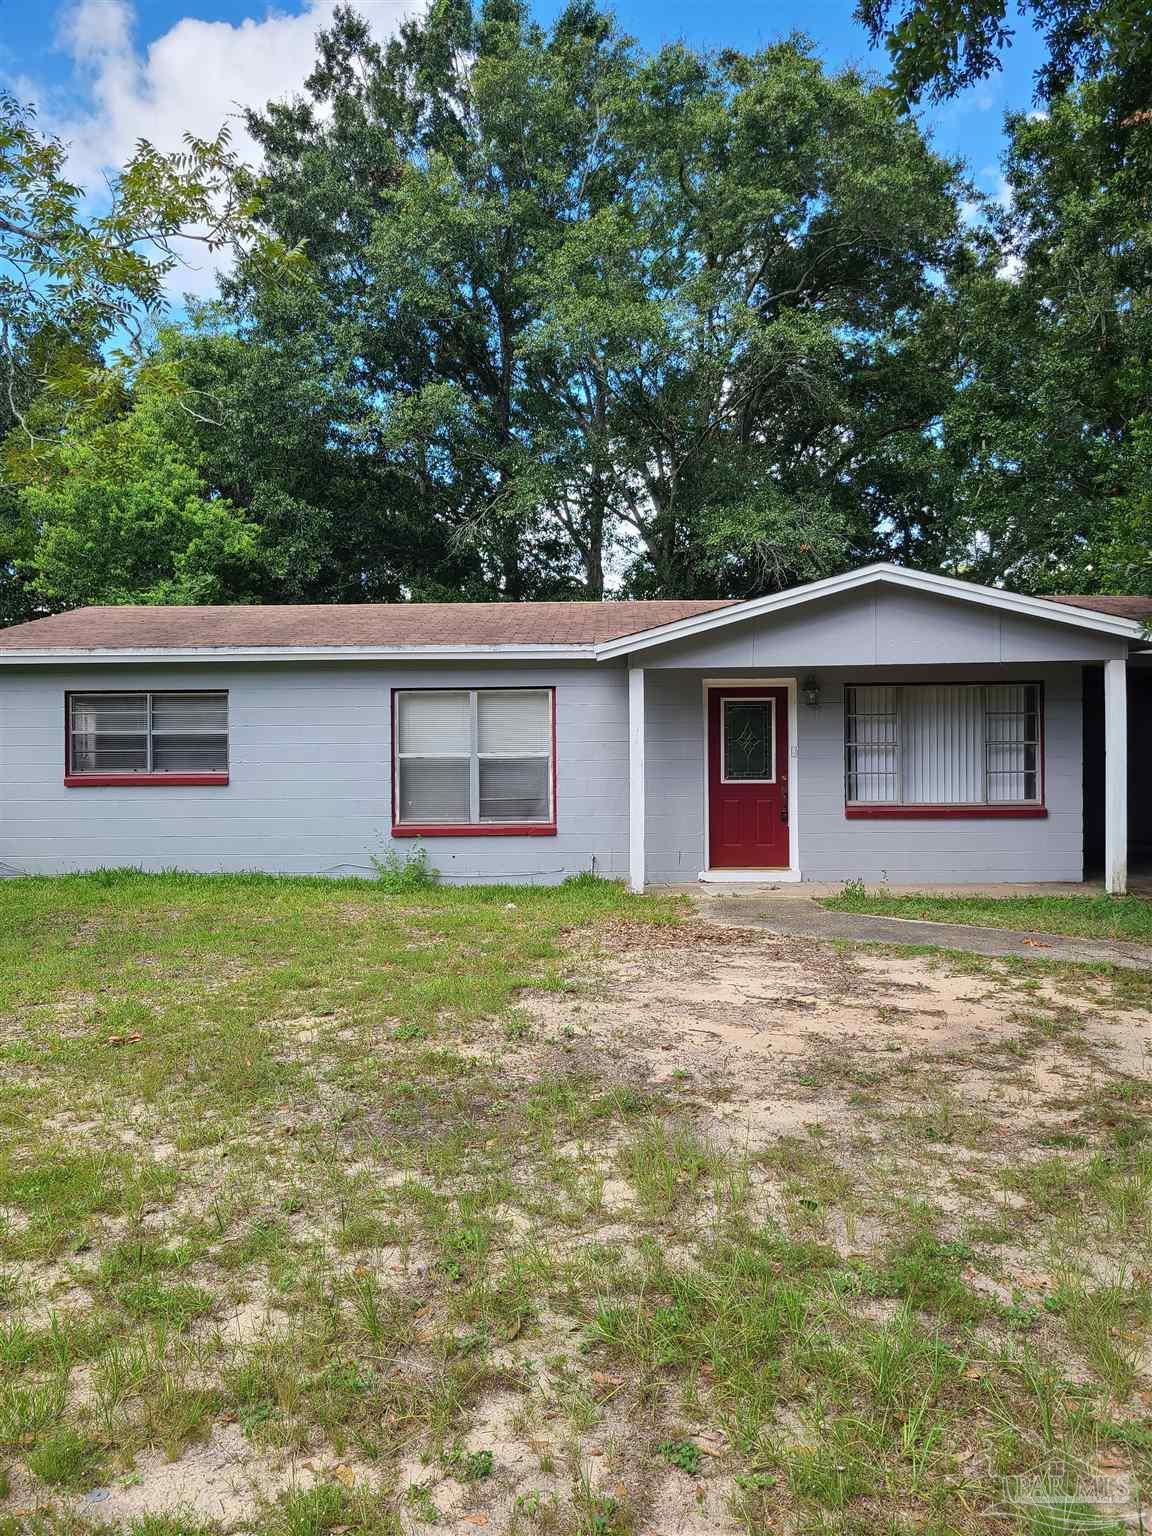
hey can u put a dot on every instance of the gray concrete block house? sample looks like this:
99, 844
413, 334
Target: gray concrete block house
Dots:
883, 724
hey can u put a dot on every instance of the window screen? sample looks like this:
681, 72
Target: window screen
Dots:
947, 744
147, 732
479, 755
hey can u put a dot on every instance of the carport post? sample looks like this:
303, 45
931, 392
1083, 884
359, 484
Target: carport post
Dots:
1116, 777
635, 778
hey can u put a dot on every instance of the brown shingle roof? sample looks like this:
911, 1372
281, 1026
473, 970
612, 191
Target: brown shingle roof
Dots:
389, 624
1118, 607
354, 624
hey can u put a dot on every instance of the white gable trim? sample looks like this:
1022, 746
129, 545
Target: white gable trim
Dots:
872, 575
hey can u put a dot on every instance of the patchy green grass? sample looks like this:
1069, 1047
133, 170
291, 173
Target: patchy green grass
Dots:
1089, 917
400, 1208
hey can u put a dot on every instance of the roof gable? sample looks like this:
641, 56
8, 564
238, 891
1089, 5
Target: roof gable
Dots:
947, 587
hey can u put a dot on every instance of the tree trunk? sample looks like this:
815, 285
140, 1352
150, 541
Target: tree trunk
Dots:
598, 506
512, 576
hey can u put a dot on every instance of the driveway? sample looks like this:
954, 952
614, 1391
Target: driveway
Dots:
801, 916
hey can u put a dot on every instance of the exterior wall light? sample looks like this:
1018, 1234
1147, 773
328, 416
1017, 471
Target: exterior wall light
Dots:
811, 690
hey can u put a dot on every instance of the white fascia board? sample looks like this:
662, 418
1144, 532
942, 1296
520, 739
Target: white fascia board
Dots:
1016, 602
869, 575
60, 655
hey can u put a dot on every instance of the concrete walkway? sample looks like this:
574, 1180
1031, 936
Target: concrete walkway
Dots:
803, 917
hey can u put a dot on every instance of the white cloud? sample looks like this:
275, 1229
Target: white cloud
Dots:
1000, 191
971, 212
191, 79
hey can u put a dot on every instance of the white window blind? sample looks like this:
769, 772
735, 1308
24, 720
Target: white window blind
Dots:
513, 722
436, 723
943, 744
148, 732
481, 755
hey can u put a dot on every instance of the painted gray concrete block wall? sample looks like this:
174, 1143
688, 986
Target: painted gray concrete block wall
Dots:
1052, 848
311, 780
310, 775
831, 847
675, 755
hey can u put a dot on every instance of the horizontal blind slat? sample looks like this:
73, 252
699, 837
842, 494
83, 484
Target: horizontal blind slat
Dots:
189, 712
436, 721
513, 721
514, 789
433, 789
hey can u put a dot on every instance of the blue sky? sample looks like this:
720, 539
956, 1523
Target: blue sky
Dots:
105, 72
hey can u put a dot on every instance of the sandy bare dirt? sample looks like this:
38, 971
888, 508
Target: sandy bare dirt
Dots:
775, 1032
754, 1038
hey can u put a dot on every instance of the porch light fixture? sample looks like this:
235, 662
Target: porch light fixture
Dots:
811, 690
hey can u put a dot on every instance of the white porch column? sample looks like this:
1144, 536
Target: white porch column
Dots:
1116, 777
635, 778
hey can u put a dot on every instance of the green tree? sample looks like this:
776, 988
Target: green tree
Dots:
282, 431
753, 315
1047, 448
52, 375
118, 511
417, 183
92, 276
572, 307
939, 47
72, 285
1041, 465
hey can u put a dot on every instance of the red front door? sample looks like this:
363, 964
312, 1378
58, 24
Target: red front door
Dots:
748, 778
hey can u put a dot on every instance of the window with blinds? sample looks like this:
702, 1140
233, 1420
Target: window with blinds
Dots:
474, 755
147, 733
943, 744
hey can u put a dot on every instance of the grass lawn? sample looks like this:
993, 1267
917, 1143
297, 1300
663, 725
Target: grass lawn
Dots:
1090, 917
324, 1209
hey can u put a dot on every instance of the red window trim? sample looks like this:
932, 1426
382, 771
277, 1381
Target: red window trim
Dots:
943, 812
1032, 810
173, 779
471, 828
476, 829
